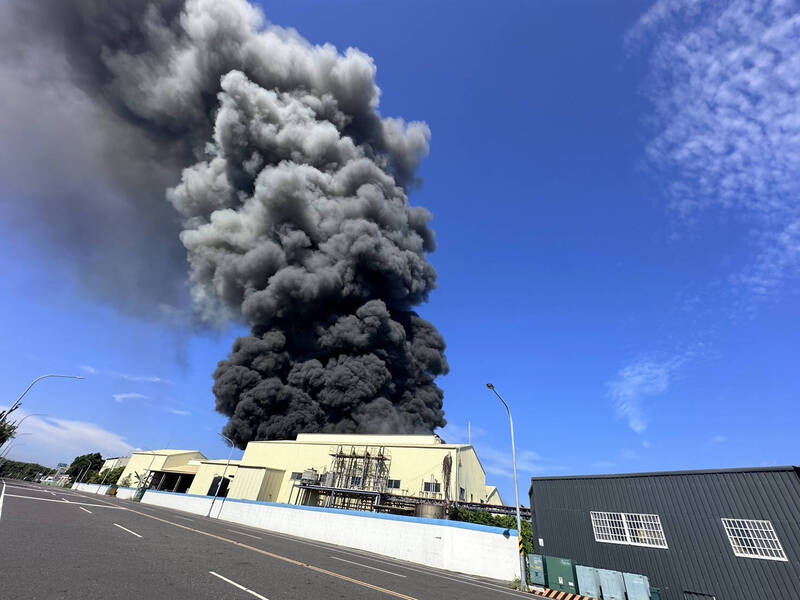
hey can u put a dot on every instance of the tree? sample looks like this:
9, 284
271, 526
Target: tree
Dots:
93, 461
7, 430
110, 476
505, 521
23, 470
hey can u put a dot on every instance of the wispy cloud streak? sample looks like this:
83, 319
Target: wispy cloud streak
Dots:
637, 381
724, 84
128, 396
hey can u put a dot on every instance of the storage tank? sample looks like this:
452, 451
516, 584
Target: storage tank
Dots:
429, 511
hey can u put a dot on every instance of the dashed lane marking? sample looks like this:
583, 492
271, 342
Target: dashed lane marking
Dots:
241, 587
128, 530
243, 533
366, 566
280, 557
67, 502
85, 510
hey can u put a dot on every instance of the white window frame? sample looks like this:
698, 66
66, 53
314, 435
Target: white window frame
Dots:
390, 482
621, 528
762, 540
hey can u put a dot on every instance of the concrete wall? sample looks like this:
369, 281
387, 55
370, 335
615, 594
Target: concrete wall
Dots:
461, 547
126, 493
92, 488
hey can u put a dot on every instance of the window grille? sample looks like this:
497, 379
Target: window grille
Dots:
633, 529
753, 539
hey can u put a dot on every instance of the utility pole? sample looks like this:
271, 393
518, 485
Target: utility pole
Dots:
523, 579
225, 470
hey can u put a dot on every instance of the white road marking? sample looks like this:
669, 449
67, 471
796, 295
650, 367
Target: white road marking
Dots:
128, 530
2, 495
67, 502
366, 566
241, 587
243, 533
88, 511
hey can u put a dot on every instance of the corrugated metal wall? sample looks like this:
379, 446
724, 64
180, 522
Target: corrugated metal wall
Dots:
691, 505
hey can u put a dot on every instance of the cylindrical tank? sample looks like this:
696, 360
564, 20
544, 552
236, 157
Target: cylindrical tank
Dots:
429, 511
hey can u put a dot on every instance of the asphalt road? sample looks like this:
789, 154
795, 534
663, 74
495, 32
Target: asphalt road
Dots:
61, 544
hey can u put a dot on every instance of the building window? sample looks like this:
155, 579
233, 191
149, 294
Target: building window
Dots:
355, 482
754, 539
628, 528
393, 484
462, 494
297, 475
434, 487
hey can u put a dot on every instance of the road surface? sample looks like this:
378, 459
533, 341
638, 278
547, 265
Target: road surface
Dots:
62, 544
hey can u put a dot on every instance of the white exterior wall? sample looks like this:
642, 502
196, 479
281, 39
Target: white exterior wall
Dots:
459, 547
126, 493
92, 488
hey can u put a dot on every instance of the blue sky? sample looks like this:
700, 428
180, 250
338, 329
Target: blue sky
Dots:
615, 196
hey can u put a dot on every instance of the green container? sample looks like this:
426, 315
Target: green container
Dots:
561, 574
536, 572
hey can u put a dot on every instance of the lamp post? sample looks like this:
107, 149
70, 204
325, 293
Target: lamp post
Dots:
225, 470
37, 380
523, 579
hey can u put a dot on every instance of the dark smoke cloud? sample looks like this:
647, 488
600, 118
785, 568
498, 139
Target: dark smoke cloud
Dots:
287, 190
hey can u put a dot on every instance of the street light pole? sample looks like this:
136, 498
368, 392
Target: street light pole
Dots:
37, 380
523, 579
225, 470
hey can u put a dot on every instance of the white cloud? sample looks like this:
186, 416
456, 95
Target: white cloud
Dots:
128, 396
498, 462
717, 439
54, 440
126, 376
140, 378
637, 381
724, 87
183, 413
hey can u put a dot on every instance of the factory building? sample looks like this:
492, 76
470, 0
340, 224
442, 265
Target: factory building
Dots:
697, 535
170, 467
114, 463
389, 473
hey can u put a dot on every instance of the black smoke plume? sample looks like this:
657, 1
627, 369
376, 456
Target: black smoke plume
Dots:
284, 185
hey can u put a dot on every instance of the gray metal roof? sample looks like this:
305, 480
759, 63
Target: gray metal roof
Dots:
670, 473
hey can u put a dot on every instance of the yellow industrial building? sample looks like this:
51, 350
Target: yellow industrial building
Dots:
114, 463
392, 473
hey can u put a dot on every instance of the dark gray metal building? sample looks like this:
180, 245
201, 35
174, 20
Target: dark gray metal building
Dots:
727, 534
